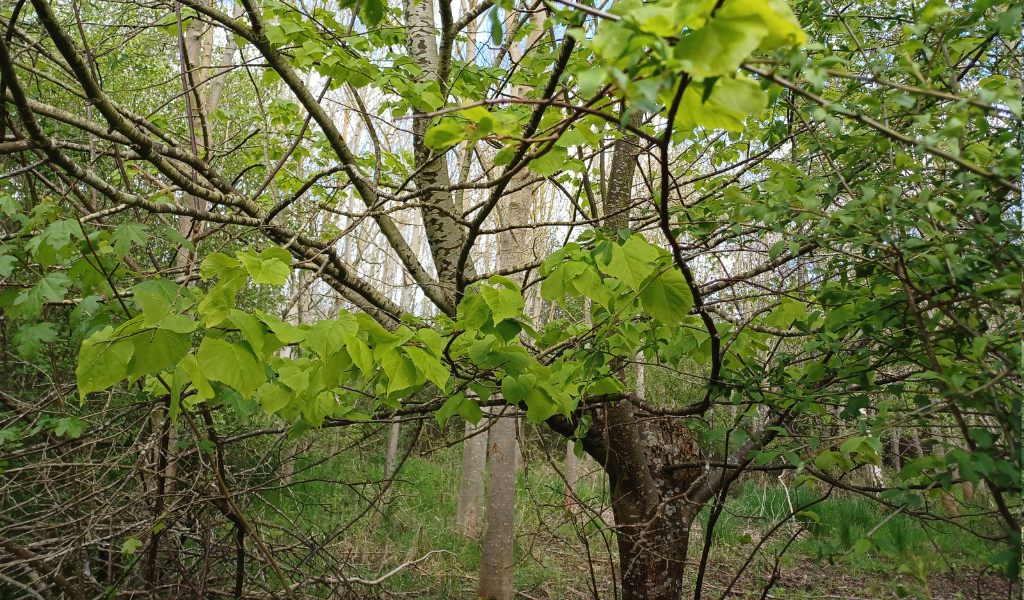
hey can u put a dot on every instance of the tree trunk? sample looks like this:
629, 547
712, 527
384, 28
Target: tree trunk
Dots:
652, 521
915, 439
392, 455
894, 450
572, 473
471, 487
444, 234
496, 561
288, 464
496, 565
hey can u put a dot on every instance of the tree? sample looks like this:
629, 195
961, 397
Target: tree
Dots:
863, 155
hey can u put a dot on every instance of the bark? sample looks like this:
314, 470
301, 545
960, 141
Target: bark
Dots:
470, 510
221, 76
496, 561
572, 473
894, 450
915, 439
392, 455
652, 518
288, 464
444, 234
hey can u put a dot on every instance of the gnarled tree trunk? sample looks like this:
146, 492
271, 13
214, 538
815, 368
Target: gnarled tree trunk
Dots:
652, 518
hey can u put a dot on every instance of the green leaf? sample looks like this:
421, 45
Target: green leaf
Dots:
51, 288
318, 407
7, 264
667, 298
125, 235
402, 373
539, 406
8, 205
218, 265
783, 27
328, 336
430, 366
473, 312
153, 298
361, 355
591, 81
719, 47
156, 350
496, 33
274, 397
449, 408
731, 101
254, 331
286, 332
482, 392
514, 390
470, 411
273, 270
219, 301
431, 340
101, 364
30, 338
630, 262
445, 135
787, 312
504, 303
69, 427
189, 366
548, 164
371, 12
130, 545
826, 460
851, 444
234, 365
861, 546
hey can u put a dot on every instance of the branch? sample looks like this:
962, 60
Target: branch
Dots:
881, 128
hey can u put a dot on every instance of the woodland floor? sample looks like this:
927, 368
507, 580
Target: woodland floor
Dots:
552, 559
806, 580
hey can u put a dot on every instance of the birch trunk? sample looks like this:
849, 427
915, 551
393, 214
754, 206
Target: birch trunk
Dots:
496, 565
444, 234
572, 472
497, 559
391, 458
470, 510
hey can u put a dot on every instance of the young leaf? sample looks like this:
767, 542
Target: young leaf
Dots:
102, 364
232, 364
667, 298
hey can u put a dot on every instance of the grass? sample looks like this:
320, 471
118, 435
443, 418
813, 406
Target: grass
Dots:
550, 550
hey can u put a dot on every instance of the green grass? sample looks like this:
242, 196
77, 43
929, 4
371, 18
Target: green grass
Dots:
551, 558
846, 518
